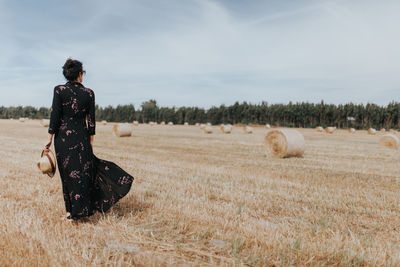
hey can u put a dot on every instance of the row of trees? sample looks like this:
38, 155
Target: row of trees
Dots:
289, 115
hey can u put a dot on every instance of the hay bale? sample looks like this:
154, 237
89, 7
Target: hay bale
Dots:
103, 122
319, 129
393, 131
186, 124
197, 124
383, 130
371, 131
45, 122
21, 119
389, 141
330, 129
170, 123
122, 130
267, 126
248, 129
135, 123
352, 130
207, 129
208, 124
162, 123
285, 143
202, 126
227, 129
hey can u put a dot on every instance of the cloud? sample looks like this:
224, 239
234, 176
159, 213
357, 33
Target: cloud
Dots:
204, 52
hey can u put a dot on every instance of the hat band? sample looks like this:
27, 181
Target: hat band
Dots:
51, 163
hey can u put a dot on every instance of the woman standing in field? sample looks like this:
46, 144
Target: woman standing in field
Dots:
89, 184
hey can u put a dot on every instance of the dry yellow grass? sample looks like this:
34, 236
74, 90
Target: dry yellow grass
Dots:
339, 205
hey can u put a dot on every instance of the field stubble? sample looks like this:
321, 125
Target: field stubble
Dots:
338, 205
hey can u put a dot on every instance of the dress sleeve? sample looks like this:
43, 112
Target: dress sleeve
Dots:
55, 115
91, 115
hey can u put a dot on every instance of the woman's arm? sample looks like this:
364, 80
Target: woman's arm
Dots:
55, 116
92, 118
49, 141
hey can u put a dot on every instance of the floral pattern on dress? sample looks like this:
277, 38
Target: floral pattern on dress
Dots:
89, 184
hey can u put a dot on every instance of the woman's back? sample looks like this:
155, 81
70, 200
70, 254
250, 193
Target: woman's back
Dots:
73, 102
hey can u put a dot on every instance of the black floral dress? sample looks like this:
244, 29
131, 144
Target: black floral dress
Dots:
89, 183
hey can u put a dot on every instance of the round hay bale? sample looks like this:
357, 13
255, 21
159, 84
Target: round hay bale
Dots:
202, 126
103, 122
389, 141
393, 131
45, 122
186, 124
383, 130
207, 129
122, 130
197, 124
170, 123
248, 129
285, 143
352, 130
21, 119
135, 123
330, 129
267, 126
371, 131
319, 129
208, 124
152, 123
227, 129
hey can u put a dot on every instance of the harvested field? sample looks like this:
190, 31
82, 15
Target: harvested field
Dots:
208, 200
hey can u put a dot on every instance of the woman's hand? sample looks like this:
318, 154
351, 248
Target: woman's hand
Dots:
49, 141
91, 140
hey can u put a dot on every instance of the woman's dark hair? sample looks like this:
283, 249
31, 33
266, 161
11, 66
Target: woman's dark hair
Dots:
71, 69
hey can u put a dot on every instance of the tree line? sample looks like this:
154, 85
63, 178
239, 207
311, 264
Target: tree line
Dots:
304, 114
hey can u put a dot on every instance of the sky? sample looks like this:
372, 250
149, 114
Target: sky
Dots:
203, 52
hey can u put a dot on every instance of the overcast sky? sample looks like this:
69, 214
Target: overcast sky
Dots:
203, 52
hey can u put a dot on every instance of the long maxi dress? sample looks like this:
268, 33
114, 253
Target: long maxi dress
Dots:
89, 184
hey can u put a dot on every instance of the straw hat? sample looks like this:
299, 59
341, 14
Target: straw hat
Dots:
47, 162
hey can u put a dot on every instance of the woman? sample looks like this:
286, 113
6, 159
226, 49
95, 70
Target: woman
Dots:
89, 184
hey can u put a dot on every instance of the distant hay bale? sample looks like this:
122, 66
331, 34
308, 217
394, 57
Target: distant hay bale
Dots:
197, 124
162, 123
319, 129
207, 129
267, 126
371, 131
248, 129
135, 123
202, 126
151, 123
227, 129
45, 122
103, 122
208, 124
186, 124
21, 119
389, 141
330, 129
170, 123
383, 130
122, 130
352, 130
285, 143
393, 131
